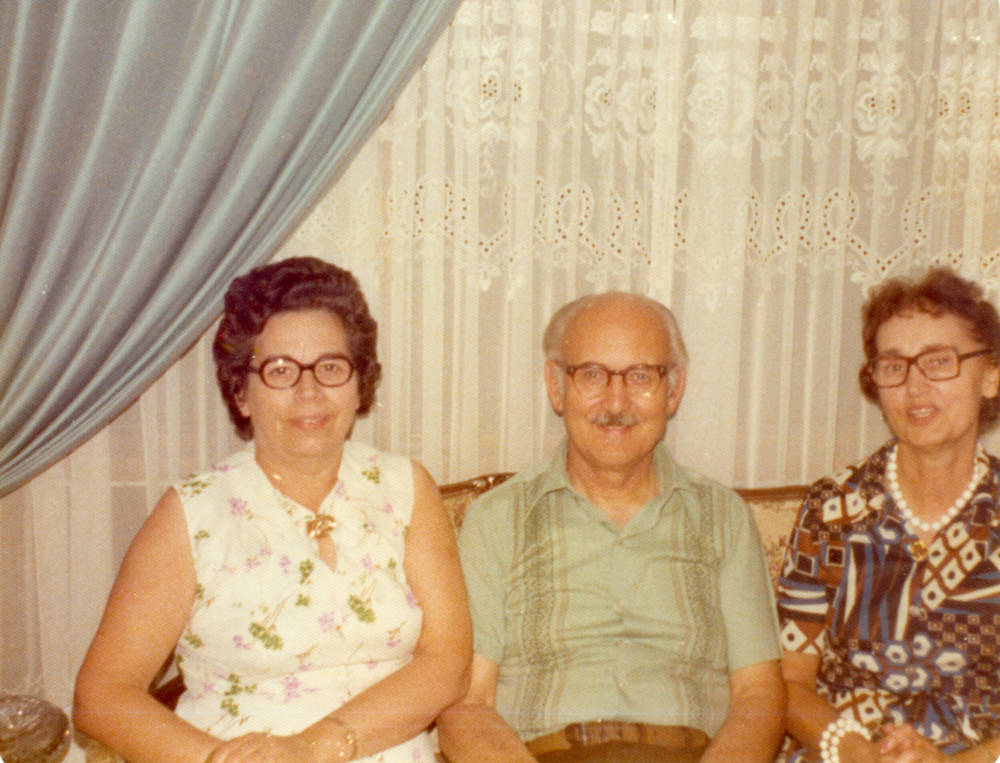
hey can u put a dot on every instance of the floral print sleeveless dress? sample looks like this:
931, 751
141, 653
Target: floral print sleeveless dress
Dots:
276, 638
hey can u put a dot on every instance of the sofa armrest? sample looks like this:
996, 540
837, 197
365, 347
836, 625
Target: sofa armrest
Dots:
458, 495
775, 510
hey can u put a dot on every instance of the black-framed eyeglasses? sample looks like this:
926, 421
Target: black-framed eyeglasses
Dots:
284, 372
593, 378
939, 364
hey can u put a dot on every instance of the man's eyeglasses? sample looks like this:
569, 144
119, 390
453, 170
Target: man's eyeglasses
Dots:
936, 365
593, 378
284, 372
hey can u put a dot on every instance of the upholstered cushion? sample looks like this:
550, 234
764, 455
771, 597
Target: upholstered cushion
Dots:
775, 510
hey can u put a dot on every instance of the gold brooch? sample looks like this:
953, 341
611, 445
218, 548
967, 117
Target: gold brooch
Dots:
320, 526
917, 548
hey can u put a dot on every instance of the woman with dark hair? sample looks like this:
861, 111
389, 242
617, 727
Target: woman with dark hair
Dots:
889, 597
310, 584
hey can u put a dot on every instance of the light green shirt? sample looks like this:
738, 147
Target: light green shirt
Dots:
589, 622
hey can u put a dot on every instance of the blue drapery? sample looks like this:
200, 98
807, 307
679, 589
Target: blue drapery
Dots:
150, 151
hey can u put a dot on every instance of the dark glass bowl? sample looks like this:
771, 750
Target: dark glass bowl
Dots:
32, 730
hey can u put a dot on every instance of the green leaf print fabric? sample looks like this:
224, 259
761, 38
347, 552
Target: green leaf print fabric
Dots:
277, 639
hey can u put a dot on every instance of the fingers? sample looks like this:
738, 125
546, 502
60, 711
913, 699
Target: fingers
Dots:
257, 747
897, 739
249, 748
903, 744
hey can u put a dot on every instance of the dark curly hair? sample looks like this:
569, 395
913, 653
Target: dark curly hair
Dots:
940, 292
299, 283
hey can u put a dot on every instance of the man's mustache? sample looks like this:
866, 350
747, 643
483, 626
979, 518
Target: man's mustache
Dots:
607, 419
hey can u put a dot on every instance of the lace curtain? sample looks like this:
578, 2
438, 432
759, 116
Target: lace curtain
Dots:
755, 165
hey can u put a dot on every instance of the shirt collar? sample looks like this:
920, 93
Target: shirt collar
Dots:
555, 477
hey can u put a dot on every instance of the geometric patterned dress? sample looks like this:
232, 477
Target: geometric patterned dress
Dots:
906, 632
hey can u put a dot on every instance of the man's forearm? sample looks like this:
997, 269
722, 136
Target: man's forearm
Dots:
755, 723
472, 733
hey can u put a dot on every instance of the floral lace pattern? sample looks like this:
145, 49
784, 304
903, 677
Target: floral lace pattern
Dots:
756, 167
639, 83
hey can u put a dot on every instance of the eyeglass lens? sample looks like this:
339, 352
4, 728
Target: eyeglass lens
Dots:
284, 372
591, 378
937, 365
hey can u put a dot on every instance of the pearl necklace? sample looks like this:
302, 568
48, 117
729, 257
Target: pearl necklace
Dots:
911, 521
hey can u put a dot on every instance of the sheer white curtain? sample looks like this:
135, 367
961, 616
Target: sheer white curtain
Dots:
65, 532
755, 164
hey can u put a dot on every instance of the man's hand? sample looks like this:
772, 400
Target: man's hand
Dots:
473, 731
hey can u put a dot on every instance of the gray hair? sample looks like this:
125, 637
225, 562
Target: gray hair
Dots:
552, 340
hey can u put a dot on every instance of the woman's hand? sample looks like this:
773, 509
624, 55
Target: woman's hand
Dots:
902, 744
265, 748
854, 748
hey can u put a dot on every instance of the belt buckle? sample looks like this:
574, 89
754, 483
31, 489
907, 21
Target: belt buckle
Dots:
576, 734
589, 733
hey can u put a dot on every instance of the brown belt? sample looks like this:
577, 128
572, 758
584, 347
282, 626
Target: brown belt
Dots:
673, 738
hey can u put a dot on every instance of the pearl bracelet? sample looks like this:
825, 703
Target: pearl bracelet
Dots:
829, 743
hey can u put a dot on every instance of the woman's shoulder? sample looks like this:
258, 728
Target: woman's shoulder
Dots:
848, 494
370, 475
864, 476
234, 467
372, 464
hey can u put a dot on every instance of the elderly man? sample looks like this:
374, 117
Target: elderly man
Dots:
621, 605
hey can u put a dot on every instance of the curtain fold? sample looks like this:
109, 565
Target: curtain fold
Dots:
149, 152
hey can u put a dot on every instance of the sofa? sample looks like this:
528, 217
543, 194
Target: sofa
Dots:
775, 510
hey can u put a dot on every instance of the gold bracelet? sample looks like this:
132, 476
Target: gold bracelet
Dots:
350, 736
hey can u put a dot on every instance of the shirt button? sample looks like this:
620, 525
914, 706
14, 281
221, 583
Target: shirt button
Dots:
915, 610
